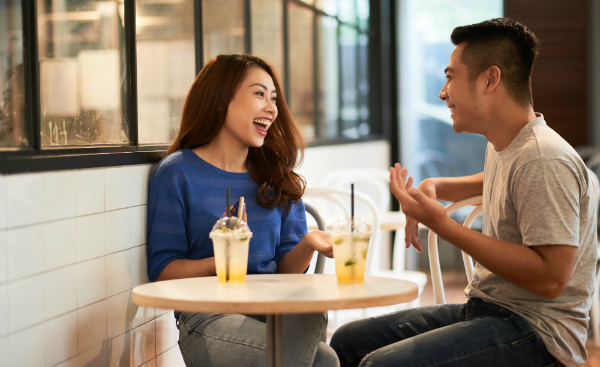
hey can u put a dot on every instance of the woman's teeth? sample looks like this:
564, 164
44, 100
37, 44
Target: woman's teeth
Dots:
264, 122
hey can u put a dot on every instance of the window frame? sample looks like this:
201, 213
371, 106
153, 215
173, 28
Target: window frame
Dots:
35, 158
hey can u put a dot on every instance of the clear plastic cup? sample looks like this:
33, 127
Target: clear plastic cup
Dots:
350, 246
231, 245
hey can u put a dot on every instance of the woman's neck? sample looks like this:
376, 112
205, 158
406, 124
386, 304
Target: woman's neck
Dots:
228, 157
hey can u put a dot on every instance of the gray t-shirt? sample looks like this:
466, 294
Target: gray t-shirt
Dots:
538, 192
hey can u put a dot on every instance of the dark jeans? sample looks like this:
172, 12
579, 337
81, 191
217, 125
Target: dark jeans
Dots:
477, 333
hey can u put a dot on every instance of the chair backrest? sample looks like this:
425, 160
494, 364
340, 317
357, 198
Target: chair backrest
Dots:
434, 261
322, 227
333, 194
376, 178
595, 185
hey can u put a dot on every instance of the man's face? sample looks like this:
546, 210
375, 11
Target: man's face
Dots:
460, 95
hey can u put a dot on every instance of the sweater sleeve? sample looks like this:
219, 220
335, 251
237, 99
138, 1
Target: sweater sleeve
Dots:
167, 240
293, 230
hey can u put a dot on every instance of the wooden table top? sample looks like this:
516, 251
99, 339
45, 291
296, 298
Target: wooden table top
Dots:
273, 294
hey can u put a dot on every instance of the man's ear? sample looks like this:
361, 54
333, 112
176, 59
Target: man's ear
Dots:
492, 76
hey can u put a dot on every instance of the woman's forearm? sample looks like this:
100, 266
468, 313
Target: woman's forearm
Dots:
297, 260
184, 268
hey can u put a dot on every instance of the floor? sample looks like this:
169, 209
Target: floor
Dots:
455, 283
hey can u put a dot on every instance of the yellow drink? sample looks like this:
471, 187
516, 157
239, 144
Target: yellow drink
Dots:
231, 256
350, 254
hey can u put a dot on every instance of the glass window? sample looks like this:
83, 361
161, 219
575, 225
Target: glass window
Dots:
347, 11
14, 132
223, 27
349, 109
82, 73
301, 97
267, 32
328, 6
430, 148
328, 92
165, 66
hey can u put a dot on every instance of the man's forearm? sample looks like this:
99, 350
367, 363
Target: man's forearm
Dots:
526, 267
455, 188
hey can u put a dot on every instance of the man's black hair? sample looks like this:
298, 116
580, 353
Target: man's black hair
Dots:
505, 43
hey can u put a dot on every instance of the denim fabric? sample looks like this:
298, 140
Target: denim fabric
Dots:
473, 334
239, 340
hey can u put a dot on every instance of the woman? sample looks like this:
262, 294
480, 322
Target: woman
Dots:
236, 132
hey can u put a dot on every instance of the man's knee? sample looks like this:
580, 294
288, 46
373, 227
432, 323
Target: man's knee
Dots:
325, 356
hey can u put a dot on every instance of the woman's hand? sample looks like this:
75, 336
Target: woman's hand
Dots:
321, 242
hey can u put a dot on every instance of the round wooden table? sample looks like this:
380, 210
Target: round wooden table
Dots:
273, 295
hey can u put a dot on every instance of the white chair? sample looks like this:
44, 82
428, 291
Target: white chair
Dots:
379, 181
434, 261
595, 310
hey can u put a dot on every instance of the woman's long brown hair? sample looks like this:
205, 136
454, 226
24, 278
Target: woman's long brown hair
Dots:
272, 165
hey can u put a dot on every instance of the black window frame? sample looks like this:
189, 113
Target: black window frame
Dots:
382, 96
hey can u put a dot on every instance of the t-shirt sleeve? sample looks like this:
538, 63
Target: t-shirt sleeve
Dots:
167, 238
293, 230
546, 194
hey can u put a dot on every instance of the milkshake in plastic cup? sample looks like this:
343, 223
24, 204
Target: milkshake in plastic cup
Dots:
350, 246
231, 239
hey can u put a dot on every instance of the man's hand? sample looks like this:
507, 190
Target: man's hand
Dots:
417, 206
411, 231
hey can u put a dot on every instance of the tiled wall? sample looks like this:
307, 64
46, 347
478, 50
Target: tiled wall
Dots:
72, 246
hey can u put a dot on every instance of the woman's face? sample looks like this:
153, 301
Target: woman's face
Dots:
252, 109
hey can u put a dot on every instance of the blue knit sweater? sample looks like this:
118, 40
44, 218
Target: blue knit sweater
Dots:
187, 196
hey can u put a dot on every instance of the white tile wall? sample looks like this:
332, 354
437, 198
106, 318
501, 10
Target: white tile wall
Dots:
25, 251
61, 338
26, 302
89, 191
27, 348
25, 197
3, 202
91, 281
118, 230
59, 187
61, 291
60, 243
72, 245
117, 188
91, 237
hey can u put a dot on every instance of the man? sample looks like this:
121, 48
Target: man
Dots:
530, 297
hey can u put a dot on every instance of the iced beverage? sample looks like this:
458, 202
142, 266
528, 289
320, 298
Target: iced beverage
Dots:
231, 250
350, 248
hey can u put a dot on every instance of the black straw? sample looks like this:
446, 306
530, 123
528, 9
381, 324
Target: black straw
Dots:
352, 206
228, 201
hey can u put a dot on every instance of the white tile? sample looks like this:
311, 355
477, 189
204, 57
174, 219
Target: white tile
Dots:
91, 237
61, 338
73, 362
25, 303
118, 230
167, 334
25, 199
3, 310
119, 353
95, 357
25, 251
91, 328
61, 291
145, 347
140, 181
27, 347
139, 223
143, 315
116, 188
59, 194
150, 363
3, 206
89, 191
139, 266
91, 281
118, 272
3, 256
170, 358
60, 243
4, 351
121, 311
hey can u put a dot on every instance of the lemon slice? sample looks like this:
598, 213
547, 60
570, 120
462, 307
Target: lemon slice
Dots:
338, 241
350, 262
364, 254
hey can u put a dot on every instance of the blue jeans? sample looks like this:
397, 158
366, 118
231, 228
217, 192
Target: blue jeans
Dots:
477, 333
239, 340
